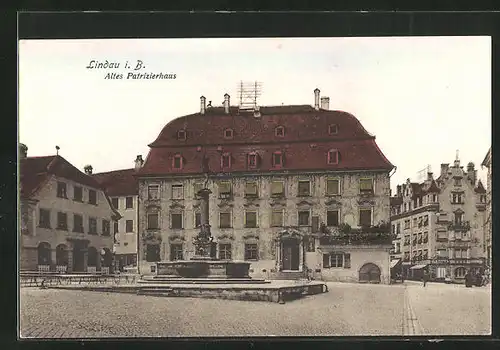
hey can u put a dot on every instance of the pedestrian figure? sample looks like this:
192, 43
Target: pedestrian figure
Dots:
425, 278
468, 279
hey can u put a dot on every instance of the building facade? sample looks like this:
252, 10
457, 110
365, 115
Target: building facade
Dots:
121, 187
65, 218
489, 228
284, 181
439, 224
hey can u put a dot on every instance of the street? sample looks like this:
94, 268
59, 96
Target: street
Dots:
346, 310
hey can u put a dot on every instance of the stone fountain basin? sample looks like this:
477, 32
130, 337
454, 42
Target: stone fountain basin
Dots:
203, 269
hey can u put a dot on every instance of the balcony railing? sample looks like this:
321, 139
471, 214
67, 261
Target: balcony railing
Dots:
463, 226
359, 238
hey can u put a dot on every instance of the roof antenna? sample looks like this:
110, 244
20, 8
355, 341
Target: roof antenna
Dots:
57, 150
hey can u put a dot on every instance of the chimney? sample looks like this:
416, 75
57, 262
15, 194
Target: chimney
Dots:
226, 103
202, 107
444, 169
316, 99
325, 103
429, 176
471, 173
88, 169
138, 162
23, 151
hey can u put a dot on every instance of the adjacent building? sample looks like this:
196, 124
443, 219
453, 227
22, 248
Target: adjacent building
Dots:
121, 187
296, 189
439, 224
65, 217
487, 247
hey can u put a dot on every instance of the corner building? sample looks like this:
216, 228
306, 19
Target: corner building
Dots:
280, 176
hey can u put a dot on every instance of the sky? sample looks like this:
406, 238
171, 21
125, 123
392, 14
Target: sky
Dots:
423, 98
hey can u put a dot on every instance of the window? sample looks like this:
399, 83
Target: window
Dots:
365, 217
333, 129
425, 237
225, 161
460, 253
62, 221
332, 218
197, 187
77, 223
304, 188
115, 226
177, 191
425, 254
224, 189
251, 251
77, 194
129, 202
250, 219
153, 191
277, 159
333, 156
406, 256
197, 220
442, 235
177, 162
456, 198
365, 186
419, 238
129, 225
105, 228
277, 218
176, 220
442, 253
337, 260
228, 133
252, 160
407, 240
277, 188
332, 187
434, 198
414, 222
44, 220
93, 197
153, 223
304, 217
426, 220
92, 226
181, 135
279, 131
414, 239
114, 202
152, 252
61, 190
458, 182
251, 189
224, 251
458, 218
176, 252
460, 272
224, 220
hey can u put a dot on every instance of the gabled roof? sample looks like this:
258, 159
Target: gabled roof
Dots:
487, 159
118, 182
34, 171
305, 143
396, 201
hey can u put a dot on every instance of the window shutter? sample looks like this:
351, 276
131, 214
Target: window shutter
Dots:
326, 260
347, 261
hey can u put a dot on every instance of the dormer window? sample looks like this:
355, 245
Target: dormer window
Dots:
279, 131
333, 129
277, 159
252, 160
228, 133
225, 160
177, 162
181, 135
333, 156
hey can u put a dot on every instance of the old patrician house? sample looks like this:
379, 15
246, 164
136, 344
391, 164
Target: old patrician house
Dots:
65, 221
295, 189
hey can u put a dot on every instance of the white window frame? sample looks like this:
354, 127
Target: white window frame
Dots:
182, 220
256, 188
194, 218
230, 212
147, 221
298, 188
176, 186
338, 186
366, 178
230, 187
256, 218
159, 191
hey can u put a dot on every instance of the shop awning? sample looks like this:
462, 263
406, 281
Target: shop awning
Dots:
417, 267
394, 262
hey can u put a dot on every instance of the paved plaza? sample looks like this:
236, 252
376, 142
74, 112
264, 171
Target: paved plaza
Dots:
346, 310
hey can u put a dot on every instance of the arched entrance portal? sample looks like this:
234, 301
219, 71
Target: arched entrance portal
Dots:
44, 253
369, 273
62, 255
290, 255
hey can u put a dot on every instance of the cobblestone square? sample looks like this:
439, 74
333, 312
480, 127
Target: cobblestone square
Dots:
346, 310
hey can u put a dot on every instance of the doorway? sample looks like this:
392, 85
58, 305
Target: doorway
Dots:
78, 257
369, 273
291, 256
